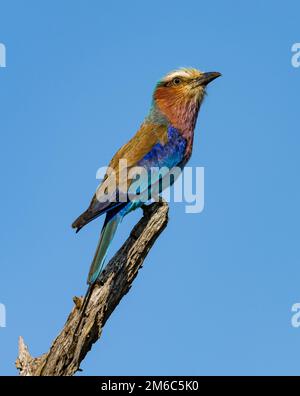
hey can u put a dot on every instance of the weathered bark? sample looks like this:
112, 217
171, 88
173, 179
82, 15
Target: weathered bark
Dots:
70, 347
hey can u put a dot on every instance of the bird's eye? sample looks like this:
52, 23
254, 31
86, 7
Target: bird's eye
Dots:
176, 81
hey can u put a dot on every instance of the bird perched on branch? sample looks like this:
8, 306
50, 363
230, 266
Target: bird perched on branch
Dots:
164, 141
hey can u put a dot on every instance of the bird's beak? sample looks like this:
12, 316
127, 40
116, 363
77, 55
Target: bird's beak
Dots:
206, 78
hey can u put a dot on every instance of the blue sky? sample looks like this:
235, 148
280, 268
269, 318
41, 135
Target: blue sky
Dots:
216, 291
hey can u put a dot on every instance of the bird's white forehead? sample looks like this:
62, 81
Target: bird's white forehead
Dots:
184, 72
178, 73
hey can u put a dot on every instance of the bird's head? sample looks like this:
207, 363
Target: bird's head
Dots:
180, 93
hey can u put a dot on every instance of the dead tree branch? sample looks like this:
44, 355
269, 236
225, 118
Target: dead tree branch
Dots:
69, 349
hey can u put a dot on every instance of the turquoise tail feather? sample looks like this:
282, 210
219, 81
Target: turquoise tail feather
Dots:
108, 231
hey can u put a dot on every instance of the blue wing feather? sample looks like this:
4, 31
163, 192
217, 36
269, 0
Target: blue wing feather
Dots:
161, 156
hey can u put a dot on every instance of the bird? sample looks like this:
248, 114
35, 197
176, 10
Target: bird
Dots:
164, 140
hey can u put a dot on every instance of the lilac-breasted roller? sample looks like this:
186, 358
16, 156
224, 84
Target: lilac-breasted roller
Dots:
164, 140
